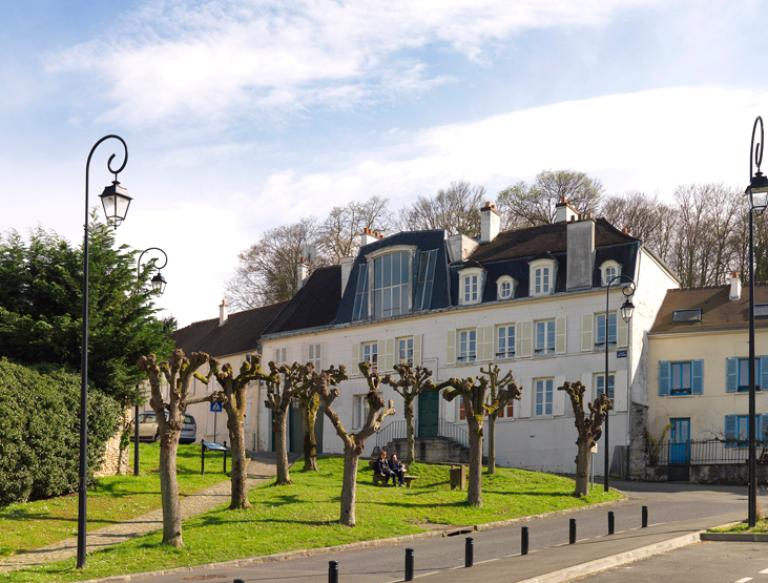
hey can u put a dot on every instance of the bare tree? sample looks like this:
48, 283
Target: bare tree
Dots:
589, 428
178, 372
354, 443
412, 382
523, 205
503, 390
339, 233
309, 402
266, 271
234, 396
455, 209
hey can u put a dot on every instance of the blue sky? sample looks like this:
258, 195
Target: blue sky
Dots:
240, 116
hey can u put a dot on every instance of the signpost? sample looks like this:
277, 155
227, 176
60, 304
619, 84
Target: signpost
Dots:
216, 408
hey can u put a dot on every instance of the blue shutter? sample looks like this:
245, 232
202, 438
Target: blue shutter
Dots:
730, 428
731, 375
762, 427
665, 374
762, 372
697, 377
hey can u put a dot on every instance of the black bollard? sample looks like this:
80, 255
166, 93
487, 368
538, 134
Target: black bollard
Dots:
333, 572
572, 531
469, 552
409, 564
611, 523
238, 581
524, 541
645, 517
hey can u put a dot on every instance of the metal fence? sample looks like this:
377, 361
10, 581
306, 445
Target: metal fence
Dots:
393, 430
453, 431
702, 452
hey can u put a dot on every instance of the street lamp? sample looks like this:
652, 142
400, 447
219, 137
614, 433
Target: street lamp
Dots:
116, 201
158, 286
758, 201
626, 310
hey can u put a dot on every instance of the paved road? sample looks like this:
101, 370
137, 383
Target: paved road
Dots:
706, 562
674, 510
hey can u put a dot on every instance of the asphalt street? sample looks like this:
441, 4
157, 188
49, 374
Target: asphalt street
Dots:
674, 509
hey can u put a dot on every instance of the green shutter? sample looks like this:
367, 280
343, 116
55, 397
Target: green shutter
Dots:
697, 377
731, 375
665, 374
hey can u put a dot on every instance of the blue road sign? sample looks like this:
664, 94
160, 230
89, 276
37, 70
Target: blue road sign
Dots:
216, 407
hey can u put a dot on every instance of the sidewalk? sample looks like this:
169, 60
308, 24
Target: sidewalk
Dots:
260, 468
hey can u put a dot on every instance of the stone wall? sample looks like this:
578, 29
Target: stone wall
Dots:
113, 463
721, 474
638, 421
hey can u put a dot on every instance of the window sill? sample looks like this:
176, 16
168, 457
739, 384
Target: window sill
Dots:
681, 395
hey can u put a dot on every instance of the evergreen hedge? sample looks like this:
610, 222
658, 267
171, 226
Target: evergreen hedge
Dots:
39, 432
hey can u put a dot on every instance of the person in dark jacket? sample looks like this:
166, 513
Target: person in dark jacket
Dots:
397, 468
381, 467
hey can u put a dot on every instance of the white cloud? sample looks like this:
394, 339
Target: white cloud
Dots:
219, 60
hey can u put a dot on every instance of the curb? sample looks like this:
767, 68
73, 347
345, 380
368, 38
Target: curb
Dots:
618, 560
740, 537
303, 553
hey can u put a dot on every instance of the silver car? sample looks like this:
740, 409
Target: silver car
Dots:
188, 430
148, 430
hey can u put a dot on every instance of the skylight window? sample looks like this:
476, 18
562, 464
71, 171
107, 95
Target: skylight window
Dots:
687, 315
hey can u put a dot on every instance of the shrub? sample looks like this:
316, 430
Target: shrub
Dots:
39, 432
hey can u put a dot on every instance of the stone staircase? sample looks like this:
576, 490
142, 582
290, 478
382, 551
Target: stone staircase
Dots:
432, 449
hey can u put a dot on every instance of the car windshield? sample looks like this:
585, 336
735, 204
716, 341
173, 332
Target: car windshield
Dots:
147, 418
188, 419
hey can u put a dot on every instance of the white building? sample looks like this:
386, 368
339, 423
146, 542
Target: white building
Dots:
532, 300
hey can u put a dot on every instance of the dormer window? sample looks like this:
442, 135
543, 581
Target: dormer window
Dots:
542, 276
609, 269
505, 287
391, 290
470, 286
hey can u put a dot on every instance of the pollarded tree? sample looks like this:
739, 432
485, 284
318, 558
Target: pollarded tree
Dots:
503, 390
309, 402
178, 372
412, 382
589, 427
283, 383
234, 396
354, 443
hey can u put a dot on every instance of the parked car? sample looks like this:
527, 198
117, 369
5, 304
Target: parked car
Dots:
148, 429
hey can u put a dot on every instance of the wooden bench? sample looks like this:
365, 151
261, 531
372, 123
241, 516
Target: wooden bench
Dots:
379, 480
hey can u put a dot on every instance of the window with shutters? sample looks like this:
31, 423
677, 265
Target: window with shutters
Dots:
600, 329
544, 341
405, 350
543, 394
681, 378
743, 375
505, 341
369, 351
467, 345
737, 430
599, 384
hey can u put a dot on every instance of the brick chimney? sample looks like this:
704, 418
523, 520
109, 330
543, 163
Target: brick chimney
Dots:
735, 294
490, 222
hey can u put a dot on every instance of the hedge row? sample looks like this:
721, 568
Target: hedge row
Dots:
39, 432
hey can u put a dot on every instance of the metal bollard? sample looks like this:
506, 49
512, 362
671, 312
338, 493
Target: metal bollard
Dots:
238, 581
524, 541
611, 522
333, 572
645, 517
469, 552
572, 531
408, 564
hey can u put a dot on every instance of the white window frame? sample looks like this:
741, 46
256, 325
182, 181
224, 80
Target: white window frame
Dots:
369, 352
605, 266
600, 329
550, 325
466, 340
505, 355
472, 277
359, 410
598, 377
536, 270
404, 347
314, 355
503, 281
547, 386
370, 258
281, 356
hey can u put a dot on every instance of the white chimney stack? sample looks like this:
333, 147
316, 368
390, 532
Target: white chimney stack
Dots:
369, 236
735, 293
223, 312
346, 270
564, 213
490, 222
302, 272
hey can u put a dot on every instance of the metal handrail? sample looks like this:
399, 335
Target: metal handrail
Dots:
394, 430
453, 431
713, 451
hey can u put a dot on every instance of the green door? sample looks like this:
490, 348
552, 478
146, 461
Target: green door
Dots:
429, 409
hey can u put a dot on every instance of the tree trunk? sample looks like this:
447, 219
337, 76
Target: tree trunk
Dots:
491, 444
475, 465
349, 487
281, 447
169, 489
310, 437
582, 469
239, 495
411, 453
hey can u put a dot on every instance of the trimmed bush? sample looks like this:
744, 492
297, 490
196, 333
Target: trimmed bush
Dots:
39, 432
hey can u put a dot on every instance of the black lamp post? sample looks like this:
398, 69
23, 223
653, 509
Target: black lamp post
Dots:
158, 286
116, 201
758, 201
627, 309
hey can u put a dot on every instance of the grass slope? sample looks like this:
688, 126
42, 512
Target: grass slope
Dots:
304, 515
29, 525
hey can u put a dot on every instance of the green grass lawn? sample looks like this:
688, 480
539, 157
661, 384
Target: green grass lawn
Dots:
29, 525
304, 515
761, 527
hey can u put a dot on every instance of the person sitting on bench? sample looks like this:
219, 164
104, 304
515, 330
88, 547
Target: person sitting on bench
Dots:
397, 468
381, 467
